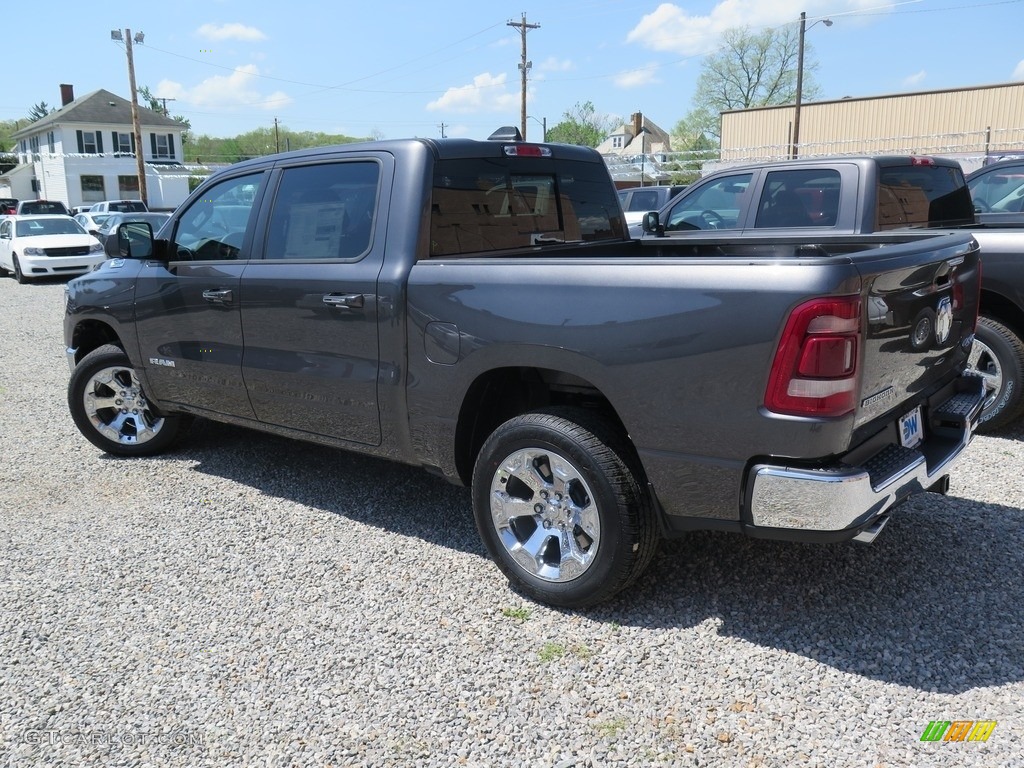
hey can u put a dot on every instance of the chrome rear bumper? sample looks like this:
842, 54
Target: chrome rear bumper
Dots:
852, 501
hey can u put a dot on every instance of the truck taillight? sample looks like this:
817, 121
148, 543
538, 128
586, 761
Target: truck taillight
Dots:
816, 364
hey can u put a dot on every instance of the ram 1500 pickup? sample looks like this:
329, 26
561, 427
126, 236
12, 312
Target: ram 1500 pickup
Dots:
477, 308
823, 197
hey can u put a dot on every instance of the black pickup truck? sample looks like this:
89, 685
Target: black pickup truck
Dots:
477, 308
838, 196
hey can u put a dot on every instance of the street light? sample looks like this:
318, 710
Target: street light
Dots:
543, 124
126, 38
800, 80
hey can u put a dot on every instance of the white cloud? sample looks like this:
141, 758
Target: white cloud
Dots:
553, 64
915, 79
230, 32
1018, 73
239, 89
671, 29
488, 93
635, 78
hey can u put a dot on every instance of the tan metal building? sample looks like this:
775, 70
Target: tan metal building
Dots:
966, 123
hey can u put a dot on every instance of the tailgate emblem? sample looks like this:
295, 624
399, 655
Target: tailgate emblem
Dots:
943, 320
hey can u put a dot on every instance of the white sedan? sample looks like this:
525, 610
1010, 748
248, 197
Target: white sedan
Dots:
40, 246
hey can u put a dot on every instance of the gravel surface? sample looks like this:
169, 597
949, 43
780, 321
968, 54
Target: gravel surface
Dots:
247, 600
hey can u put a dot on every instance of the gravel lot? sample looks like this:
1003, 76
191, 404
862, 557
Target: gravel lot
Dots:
246, 600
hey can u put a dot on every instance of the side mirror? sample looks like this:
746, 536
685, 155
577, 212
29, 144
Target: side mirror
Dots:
651, 223
135, 240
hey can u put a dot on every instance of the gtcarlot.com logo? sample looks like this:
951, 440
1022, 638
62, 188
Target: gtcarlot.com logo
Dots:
959, 730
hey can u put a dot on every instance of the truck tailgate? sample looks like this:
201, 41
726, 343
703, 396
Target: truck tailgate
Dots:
921, 305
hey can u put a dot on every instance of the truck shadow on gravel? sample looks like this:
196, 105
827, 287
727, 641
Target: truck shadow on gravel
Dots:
935, 603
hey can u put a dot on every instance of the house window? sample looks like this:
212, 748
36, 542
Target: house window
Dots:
92, 189
123, 143
90, 142
162, 145
616, 142
128, 188
50, 141
33, 145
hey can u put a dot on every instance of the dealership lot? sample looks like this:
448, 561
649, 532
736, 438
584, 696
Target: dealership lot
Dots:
247, 600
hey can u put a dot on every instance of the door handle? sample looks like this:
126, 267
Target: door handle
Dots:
218, 296
345, 300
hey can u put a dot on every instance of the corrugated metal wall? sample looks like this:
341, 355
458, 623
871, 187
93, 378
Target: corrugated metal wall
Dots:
987, 120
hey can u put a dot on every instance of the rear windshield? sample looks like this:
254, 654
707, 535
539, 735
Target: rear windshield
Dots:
128, 206
43, 207
494, 204
922, 196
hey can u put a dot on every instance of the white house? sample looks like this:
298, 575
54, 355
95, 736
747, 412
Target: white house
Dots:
84, 152
634, 152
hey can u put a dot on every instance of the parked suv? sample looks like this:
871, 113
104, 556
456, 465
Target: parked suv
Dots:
119, 206
41, 207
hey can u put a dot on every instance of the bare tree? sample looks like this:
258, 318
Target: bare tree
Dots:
750, 69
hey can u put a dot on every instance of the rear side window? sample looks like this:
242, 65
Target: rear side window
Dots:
800, 198
324, 211
922, 196
496, 204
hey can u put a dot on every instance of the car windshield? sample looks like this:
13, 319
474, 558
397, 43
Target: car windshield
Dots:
57, 226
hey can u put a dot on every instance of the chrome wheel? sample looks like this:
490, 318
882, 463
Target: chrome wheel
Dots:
117, 408
545, 514
984, 362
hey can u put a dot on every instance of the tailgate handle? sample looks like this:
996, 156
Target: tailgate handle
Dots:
344, 300
218, 296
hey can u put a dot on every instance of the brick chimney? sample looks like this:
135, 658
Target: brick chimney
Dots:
638, 122
67, 94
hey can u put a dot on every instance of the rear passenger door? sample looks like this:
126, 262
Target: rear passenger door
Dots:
310, 309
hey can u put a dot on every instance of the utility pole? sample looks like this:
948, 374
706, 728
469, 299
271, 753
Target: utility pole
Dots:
165, 99
137, 129
442, 126
524, 65
277, 137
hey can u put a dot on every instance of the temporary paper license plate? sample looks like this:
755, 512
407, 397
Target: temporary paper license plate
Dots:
912, 428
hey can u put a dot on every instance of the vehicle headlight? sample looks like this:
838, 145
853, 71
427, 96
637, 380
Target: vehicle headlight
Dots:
33, 251
96, 248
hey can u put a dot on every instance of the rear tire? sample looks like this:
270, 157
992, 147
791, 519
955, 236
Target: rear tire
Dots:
998, 357
560, 508
109, 407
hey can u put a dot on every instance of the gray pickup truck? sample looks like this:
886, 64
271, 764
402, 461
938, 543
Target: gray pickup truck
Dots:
839, 196
477, 308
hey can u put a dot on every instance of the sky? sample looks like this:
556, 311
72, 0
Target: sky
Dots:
452, 68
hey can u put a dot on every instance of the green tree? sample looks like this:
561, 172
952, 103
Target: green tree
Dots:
750, 69
582, 125
39, 111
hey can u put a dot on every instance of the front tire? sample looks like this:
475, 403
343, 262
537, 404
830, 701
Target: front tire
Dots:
998, 357
109, 407
18, 274
560, 509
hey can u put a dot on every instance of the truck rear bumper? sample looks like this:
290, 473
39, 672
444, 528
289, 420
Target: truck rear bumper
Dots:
852, 502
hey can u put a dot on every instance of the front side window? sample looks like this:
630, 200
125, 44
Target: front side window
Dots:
716, 205
213, 227
93, 189
324, 211
999, 191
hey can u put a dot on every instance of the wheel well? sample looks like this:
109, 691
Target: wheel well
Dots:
501, 394
90, 335
1002, 309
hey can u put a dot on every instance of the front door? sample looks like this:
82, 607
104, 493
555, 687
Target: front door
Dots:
188, 308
